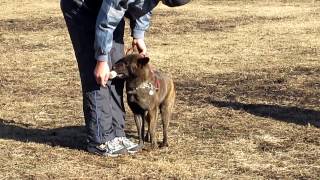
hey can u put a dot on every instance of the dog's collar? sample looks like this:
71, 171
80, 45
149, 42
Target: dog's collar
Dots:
146, 86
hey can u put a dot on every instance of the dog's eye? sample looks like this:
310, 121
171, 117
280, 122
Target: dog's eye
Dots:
118, 64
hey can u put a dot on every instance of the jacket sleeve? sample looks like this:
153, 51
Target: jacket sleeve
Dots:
140, 25
109, 16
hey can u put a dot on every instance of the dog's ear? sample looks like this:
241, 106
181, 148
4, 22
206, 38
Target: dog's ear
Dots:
143, 61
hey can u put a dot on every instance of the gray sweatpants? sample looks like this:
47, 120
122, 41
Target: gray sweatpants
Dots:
103, 107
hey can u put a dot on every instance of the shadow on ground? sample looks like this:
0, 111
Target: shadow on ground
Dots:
286, 114
72, 137
286, 93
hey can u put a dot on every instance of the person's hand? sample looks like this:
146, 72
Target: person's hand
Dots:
140, 45
102, 72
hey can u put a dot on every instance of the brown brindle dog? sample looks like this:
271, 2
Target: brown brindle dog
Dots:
148, 90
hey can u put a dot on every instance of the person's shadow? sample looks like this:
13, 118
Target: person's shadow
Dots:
72, 137
215, 90
294, 115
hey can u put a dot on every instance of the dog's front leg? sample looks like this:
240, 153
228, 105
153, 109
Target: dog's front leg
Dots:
146, 120
139, 123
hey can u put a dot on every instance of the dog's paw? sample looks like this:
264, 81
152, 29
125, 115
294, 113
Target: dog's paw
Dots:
147, 138
163, 145
154, 145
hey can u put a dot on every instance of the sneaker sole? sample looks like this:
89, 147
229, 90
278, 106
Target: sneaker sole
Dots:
123, 151
113, 155
133, 150
97, 152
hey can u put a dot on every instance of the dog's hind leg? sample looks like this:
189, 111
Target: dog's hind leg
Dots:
165, 117
147, 137
166, 109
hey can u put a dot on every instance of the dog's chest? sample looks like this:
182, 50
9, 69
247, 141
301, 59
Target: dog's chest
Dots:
144, 95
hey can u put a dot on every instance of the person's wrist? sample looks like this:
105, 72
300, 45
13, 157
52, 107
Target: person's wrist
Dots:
99, 61
138, 39
103, 64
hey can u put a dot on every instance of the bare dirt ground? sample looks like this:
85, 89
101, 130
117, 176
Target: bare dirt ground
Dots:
248, 82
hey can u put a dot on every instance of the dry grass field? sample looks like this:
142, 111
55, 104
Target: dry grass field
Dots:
248, 82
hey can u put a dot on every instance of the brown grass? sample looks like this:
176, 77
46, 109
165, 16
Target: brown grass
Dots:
247, 76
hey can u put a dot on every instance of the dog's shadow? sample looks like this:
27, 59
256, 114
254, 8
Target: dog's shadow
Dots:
72, 137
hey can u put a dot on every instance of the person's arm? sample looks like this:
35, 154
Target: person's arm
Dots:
138, 28
140, 25
109, 16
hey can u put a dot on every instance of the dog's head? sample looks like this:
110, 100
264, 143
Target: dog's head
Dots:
132, 65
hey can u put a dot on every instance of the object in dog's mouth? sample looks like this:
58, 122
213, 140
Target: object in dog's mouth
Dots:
113, 74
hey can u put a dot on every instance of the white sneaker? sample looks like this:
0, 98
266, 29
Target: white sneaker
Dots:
115, 147
129, 145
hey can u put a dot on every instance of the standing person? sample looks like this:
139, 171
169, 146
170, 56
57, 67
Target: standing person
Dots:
96, 29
